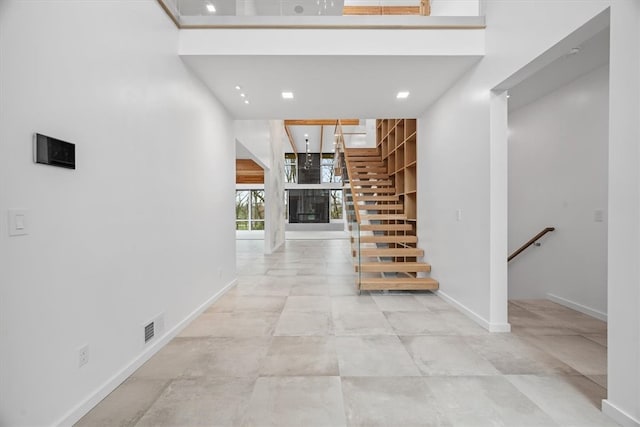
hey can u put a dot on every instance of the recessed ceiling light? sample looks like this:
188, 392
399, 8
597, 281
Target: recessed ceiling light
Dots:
211, 8
242, 95
246, 101
238, 88
306, 135
402, 95
287, 95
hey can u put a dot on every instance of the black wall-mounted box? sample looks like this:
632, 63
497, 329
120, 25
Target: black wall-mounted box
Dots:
54, 152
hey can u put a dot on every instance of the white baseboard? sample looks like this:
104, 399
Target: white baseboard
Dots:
618, 415
578, 307
103, 391
491, 327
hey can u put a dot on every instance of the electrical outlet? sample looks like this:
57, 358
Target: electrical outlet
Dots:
83, 355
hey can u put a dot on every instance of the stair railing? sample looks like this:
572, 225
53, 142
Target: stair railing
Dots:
532, 241
352, 212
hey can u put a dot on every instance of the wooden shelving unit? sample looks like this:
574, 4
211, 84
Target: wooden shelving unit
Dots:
397, 139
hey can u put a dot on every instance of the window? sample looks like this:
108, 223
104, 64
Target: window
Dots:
335, 204
327, 171
290, 168
249, 209
242, 210
257, 209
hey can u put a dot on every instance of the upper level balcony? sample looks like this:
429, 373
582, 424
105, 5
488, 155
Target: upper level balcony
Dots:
341, 58
342, 14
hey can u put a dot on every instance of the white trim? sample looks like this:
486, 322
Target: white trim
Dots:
112, 383
578, 307
491, 327
618, 415
245, 187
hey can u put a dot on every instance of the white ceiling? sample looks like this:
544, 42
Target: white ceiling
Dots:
593, 53
327, 86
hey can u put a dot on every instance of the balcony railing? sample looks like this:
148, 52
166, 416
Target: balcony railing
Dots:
411, 14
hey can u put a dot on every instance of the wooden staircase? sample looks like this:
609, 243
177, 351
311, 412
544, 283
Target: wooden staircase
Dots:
384, 239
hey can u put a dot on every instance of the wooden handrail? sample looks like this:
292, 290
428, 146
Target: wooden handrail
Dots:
530, 242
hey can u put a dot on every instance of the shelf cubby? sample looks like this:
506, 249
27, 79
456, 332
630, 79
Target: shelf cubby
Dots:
397, 139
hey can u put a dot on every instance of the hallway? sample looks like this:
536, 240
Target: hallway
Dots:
294, 345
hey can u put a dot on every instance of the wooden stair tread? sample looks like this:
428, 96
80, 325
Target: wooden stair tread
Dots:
363, 151
384, 217
387, 267
377, 207
398, 283
367, 161
380, 190
391, 252
364, 169
389, 239
368, 168
385, 227
370, 175
378, 198
357, 159
366, 182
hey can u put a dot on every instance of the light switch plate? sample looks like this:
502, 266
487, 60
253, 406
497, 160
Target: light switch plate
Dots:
598, 215
18, 222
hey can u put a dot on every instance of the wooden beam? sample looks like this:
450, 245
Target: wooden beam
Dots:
293, 145
381, 10
320, 122
425, 7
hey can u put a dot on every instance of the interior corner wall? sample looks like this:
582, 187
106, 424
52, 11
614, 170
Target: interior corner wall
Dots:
274, 234
454, 144
255, 136
558, 177
144, 227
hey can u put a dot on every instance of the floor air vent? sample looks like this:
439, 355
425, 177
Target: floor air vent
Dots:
149, 332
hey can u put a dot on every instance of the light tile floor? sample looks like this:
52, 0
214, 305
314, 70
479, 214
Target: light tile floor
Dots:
294, 345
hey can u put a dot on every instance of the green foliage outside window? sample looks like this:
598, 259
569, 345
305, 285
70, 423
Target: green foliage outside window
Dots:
249, 209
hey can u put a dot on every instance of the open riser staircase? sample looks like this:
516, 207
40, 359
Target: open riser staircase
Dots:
383, 240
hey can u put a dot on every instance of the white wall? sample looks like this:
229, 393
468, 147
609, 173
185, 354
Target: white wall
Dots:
456, 154
454, 137
456, 8
558, 177
255, 136
143, 226
623, 400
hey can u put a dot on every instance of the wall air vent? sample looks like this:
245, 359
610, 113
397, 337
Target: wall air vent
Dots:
149, 332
